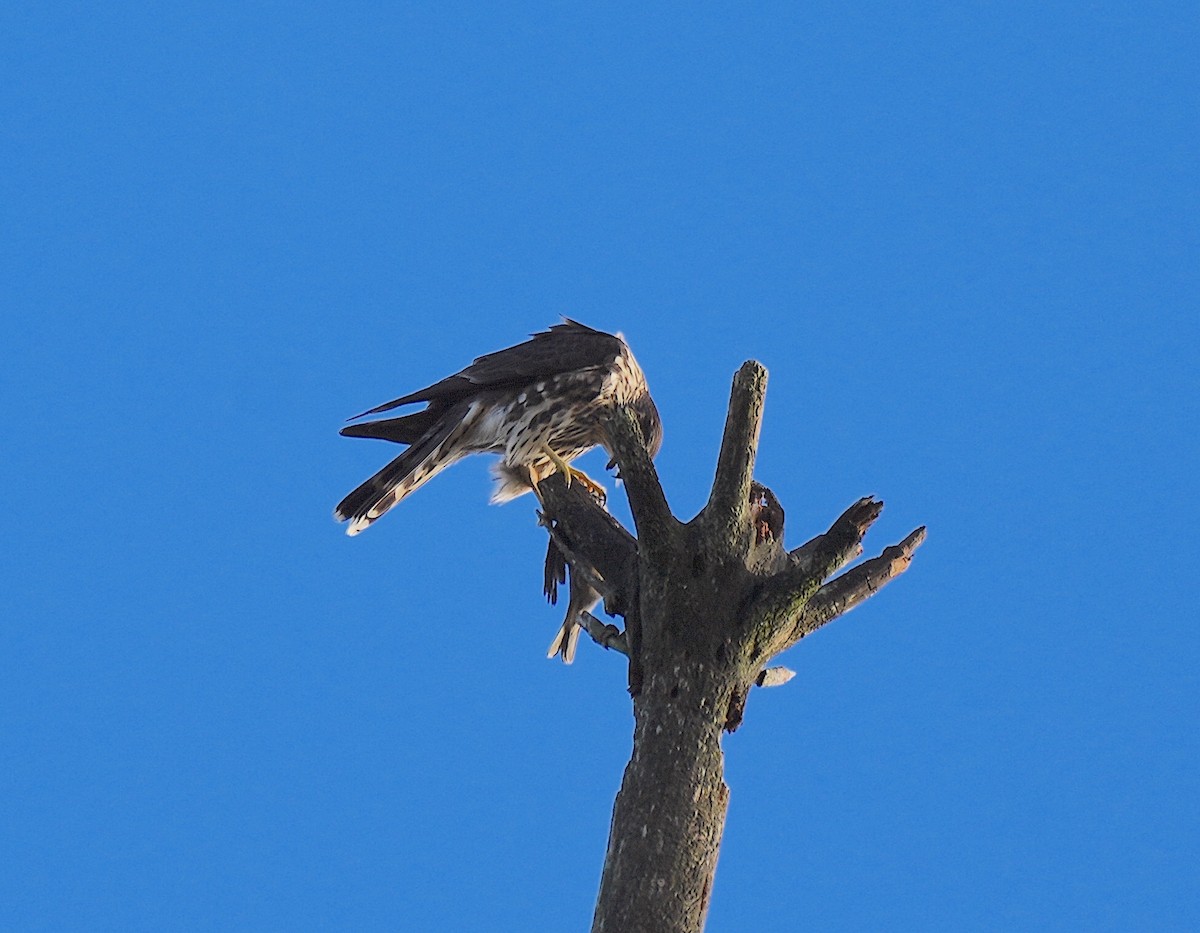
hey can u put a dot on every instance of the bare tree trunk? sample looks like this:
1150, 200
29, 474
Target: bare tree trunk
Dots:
707, 605
670, 812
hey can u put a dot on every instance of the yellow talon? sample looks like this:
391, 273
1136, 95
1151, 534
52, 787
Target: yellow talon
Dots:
591, 485
561, 465
569, 472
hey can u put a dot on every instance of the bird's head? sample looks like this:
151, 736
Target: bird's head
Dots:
650, 423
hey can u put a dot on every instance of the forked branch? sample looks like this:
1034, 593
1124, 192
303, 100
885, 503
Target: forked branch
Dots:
855, 586
783, 596
844, 593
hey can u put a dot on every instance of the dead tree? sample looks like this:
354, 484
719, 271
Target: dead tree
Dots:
707, 604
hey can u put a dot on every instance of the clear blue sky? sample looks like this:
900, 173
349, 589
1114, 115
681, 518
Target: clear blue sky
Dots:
962, 238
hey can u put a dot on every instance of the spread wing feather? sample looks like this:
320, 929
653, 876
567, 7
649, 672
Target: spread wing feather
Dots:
407, 429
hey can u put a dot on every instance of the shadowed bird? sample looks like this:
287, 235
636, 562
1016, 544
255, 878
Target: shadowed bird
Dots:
539, 405
583, 597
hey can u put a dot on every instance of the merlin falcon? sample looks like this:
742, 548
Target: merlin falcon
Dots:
539, 405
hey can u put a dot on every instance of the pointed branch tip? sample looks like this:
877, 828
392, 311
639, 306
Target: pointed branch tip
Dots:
901, 554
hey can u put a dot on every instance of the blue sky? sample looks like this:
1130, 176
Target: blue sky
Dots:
963, 240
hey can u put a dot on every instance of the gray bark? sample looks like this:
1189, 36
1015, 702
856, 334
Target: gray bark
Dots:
707, 605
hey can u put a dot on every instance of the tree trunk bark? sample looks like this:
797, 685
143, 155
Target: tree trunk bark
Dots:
670, 812
707, 605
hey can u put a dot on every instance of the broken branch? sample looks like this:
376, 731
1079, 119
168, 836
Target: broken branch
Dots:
603, 633
826, 554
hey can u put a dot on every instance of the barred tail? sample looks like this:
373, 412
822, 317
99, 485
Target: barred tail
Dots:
403, 476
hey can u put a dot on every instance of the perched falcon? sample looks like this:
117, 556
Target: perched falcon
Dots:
539, 405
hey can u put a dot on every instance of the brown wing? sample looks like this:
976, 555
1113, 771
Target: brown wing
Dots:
566, 347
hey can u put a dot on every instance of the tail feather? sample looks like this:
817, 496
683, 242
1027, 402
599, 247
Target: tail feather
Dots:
404, 475
422, 461
582, 599
566, 641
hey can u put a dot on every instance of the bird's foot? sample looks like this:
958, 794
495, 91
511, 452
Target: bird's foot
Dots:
598, 491
570, 473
